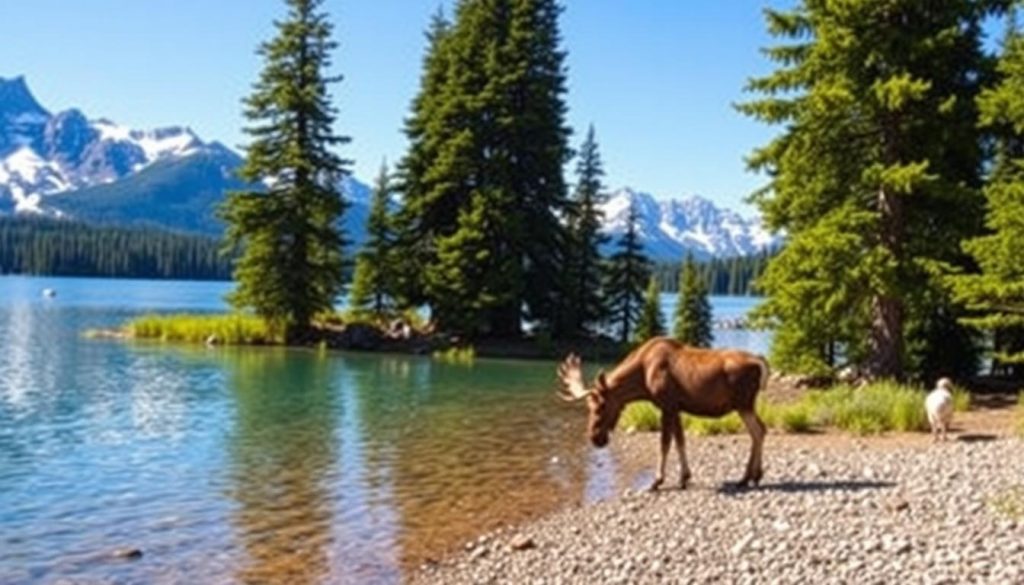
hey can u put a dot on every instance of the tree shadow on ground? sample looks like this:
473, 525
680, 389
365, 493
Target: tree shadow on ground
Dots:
798, 487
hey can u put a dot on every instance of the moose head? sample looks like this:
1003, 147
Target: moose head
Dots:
604, 409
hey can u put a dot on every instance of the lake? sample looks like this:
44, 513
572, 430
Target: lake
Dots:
251, 465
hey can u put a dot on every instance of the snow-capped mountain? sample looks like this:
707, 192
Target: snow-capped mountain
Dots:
42, 154
68, 165
669, 229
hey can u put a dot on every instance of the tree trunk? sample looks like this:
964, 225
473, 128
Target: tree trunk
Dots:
886, 359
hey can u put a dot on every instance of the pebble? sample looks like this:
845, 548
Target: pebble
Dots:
891, 514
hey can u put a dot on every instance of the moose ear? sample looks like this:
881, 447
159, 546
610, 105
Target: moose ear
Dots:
602, 382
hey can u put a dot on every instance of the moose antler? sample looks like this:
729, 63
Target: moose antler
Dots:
570, 374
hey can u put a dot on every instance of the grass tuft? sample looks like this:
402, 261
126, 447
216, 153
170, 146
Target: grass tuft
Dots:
232, 329
872, 409
961, 399
729, 424
640, 416
456, 355
1020, 414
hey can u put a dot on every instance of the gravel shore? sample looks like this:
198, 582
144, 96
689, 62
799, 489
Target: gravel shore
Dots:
832, 509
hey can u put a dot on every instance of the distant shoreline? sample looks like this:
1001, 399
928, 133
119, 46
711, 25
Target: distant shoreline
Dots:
226, 329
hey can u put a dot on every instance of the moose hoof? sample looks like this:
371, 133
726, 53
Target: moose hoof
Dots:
655, 485
684, 482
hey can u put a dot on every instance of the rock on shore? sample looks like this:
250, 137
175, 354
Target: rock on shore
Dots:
832, 509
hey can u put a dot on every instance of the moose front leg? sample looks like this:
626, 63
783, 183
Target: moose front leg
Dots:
684, 467
666, 445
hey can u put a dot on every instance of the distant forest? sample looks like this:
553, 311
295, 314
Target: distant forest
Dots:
66, 248
722, 276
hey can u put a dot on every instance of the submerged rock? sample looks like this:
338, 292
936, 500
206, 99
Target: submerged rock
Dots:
129, 553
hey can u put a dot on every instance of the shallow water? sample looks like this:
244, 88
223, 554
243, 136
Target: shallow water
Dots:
259, 465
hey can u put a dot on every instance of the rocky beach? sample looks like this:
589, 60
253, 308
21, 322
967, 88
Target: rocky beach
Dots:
833, 508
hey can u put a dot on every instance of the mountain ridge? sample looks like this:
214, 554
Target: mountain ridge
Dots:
67, 165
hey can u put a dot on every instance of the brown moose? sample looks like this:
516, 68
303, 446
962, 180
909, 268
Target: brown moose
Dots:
676, 378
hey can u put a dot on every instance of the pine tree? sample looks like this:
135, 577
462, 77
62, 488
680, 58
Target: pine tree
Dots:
650, 323
373, 280
628, 273
487, 145
291, 263
585, 270
428, 210
875, 177
692, 324
533, 82
997, 293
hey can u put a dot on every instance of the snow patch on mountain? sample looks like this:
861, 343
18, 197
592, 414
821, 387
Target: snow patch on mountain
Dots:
669, 229
42, 154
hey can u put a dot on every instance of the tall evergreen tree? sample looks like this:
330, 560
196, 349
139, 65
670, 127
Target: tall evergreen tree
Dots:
291, 263
427, 209
650, 323
875, 178
373, 281
584, 305
628, 273
997, 292
487, 146
692, 323
533, 81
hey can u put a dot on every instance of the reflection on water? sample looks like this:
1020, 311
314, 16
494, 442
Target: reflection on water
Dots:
256, 465
282, 455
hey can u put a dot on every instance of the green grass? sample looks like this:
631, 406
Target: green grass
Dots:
1020, 414
456, 355
640, 416
961, 399
872, 409
232, 329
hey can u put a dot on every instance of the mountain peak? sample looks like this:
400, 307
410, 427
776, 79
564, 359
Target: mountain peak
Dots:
17, 100
671, 228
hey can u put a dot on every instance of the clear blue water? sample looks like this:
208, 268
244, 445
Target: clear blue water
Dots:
261, 465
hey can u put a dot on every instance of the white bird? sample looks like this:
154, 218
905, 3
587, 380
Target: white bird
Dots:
939, 405
49, 293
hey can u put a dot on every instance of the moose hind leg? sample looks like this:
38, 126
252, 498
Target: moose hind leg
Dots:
757, 432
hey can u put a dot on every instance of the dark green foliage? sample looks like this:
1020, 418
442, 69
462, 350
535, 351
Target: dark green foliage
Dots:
424, 213
482, 182
628, 274
64, 248
374, 272
650, 323
291, 264
875, 178
720, 276
584, 305
997, 292
692, 321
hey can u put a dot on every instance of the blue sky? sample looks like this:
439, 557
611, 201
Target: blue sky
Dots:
656, 77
